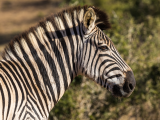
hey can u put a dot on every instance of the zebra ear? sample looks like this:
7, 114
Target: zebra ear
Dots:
89, 19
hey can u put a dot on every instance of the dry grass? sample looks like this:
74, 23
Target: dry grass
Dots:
17, 16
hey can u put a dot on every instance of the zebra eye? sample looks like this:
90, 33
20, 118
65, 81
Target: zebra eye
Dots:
104, 48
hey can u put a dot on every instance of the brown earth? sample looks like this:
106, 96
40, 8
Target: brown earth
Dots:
17, 16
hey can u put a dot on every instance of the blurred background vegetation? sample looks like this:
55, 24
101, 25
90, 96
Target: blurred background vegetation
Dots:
135, 32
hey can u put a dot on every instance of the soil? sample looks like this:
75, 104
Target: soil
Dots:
17, 16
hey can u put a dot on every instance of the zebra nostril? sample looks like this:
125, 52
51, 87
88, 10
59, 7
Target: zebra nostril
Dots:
125, 87
131, 86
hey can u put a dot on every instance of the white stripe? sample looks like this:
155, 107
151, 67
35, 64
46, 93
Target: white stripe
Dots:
75, 18
59, 23
68, 19
81, 14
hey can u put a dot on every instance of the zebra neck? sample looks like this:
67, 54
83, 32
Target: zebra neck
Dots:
46, 59
45, 73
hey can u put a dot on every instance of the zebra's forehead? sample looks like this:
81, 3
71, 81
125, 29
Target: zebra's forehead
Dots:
102, 37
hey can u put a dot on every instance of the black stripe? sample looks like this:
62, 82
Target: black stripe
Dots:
59, 35
76, 33
113, 76
93, 59
3, 100
79, 29
84, 55
61, 64
89, 56
113, 69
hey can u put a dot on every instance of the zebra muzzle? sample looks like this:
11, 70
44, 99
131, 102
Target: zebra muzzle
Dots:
127, 88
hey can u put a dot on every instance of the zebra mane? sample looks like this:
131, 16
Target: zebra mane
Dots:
101, 22
101, 17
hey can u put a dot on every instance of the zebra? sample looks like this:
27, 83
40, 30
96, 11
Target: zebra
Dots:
39, 64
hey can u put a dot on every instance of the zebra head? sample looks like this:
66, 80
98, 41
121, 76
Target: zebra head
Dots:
100, 61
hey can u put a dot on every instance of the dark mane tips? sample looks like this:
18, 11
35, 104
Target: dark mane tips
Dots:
102, 19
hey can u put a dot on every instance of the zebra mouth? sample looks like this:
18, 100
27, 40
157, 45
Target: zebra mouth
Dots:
116, 86
120, 90
117, 90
